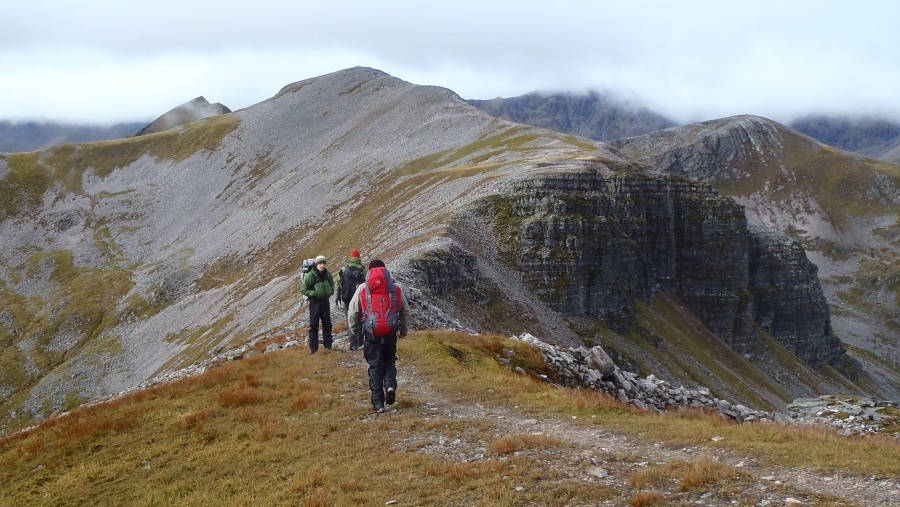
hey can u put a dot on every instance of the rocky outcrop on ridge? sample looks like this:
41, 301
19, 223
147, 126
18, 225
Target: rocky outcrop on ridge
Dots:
192, 110
593, 369
583, 368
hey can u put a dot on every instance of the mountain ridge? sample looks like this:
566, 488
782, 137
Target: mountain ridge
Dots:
595, 115
199, 231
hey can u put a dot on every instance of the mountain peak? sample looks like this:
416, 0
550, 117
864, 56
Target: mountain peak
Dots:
192, 110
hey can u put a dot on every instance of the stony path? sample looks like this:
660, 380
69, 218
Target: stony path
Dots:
608, 457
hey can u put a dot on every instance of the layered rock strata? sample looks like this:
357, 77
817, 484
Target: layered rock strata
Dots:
593, 244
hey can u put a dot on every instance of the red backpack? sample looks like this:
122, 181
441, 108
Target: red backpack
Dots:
380, 301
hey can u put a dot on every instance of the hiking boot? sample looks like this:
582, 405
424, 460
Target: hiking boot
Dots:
378, 409
354, 346
391, 396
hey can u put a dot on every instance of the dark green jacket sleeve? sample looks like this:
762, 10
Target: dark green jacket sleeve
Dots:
315, 287
307, 287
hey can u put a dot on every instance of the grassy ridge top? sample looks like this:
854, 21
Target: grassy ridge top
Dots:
33, 173
290, 429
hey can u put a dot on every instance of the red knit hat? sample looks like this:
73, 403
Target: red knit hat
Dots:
354, 253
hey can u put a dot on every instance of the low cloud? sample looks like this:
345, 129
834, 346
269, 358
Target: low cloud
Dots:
111, 61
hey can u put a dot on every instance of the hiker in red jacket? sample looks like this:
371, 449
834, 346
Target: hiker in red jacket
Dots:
380, 312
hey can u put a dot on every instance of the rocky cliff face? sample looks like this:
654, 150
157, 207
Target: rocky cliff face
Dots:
788, 300
844, 210
590, 244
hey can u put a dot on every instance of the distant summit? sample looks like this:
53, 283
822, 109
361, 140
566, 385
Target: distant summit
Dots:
193, 110
32, 135
872, 137
595, 116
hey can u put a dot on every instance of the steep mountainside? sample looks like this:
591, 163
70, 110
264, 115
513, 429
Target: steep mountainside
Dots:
843, 208
125, 259
30, 136
595, 116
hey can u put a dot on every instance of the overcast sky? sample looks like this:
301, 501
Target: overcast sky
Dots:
110, 61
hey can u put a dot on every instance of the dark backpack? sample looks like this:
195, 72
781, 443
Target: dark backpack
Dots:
351, 277
381, 302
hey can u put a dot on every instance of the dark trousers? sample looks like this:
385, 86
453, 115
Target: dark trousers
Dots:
319, 309
381, 354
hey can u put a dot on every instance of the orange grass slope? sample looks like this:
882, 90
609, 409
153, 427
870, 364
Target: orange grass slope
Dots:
287, 428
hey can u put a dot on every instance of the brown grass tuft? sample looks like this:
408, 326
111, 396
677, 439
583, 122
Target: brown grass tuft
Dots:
34, 445
317, 498
304, 400
312, 480
643, 478
695, 474
647, 498
200, 421
251, 380
591, 400
199, 418
705, 470
94, 422
311, 394
240, 398
512, 443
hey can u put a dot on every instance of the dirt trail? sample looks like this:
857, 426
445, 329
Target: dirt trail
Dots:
609, 457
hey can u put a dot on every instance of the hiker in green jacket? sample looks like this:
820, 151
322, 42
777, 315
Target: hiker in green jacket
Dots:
349, 277
318, 286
